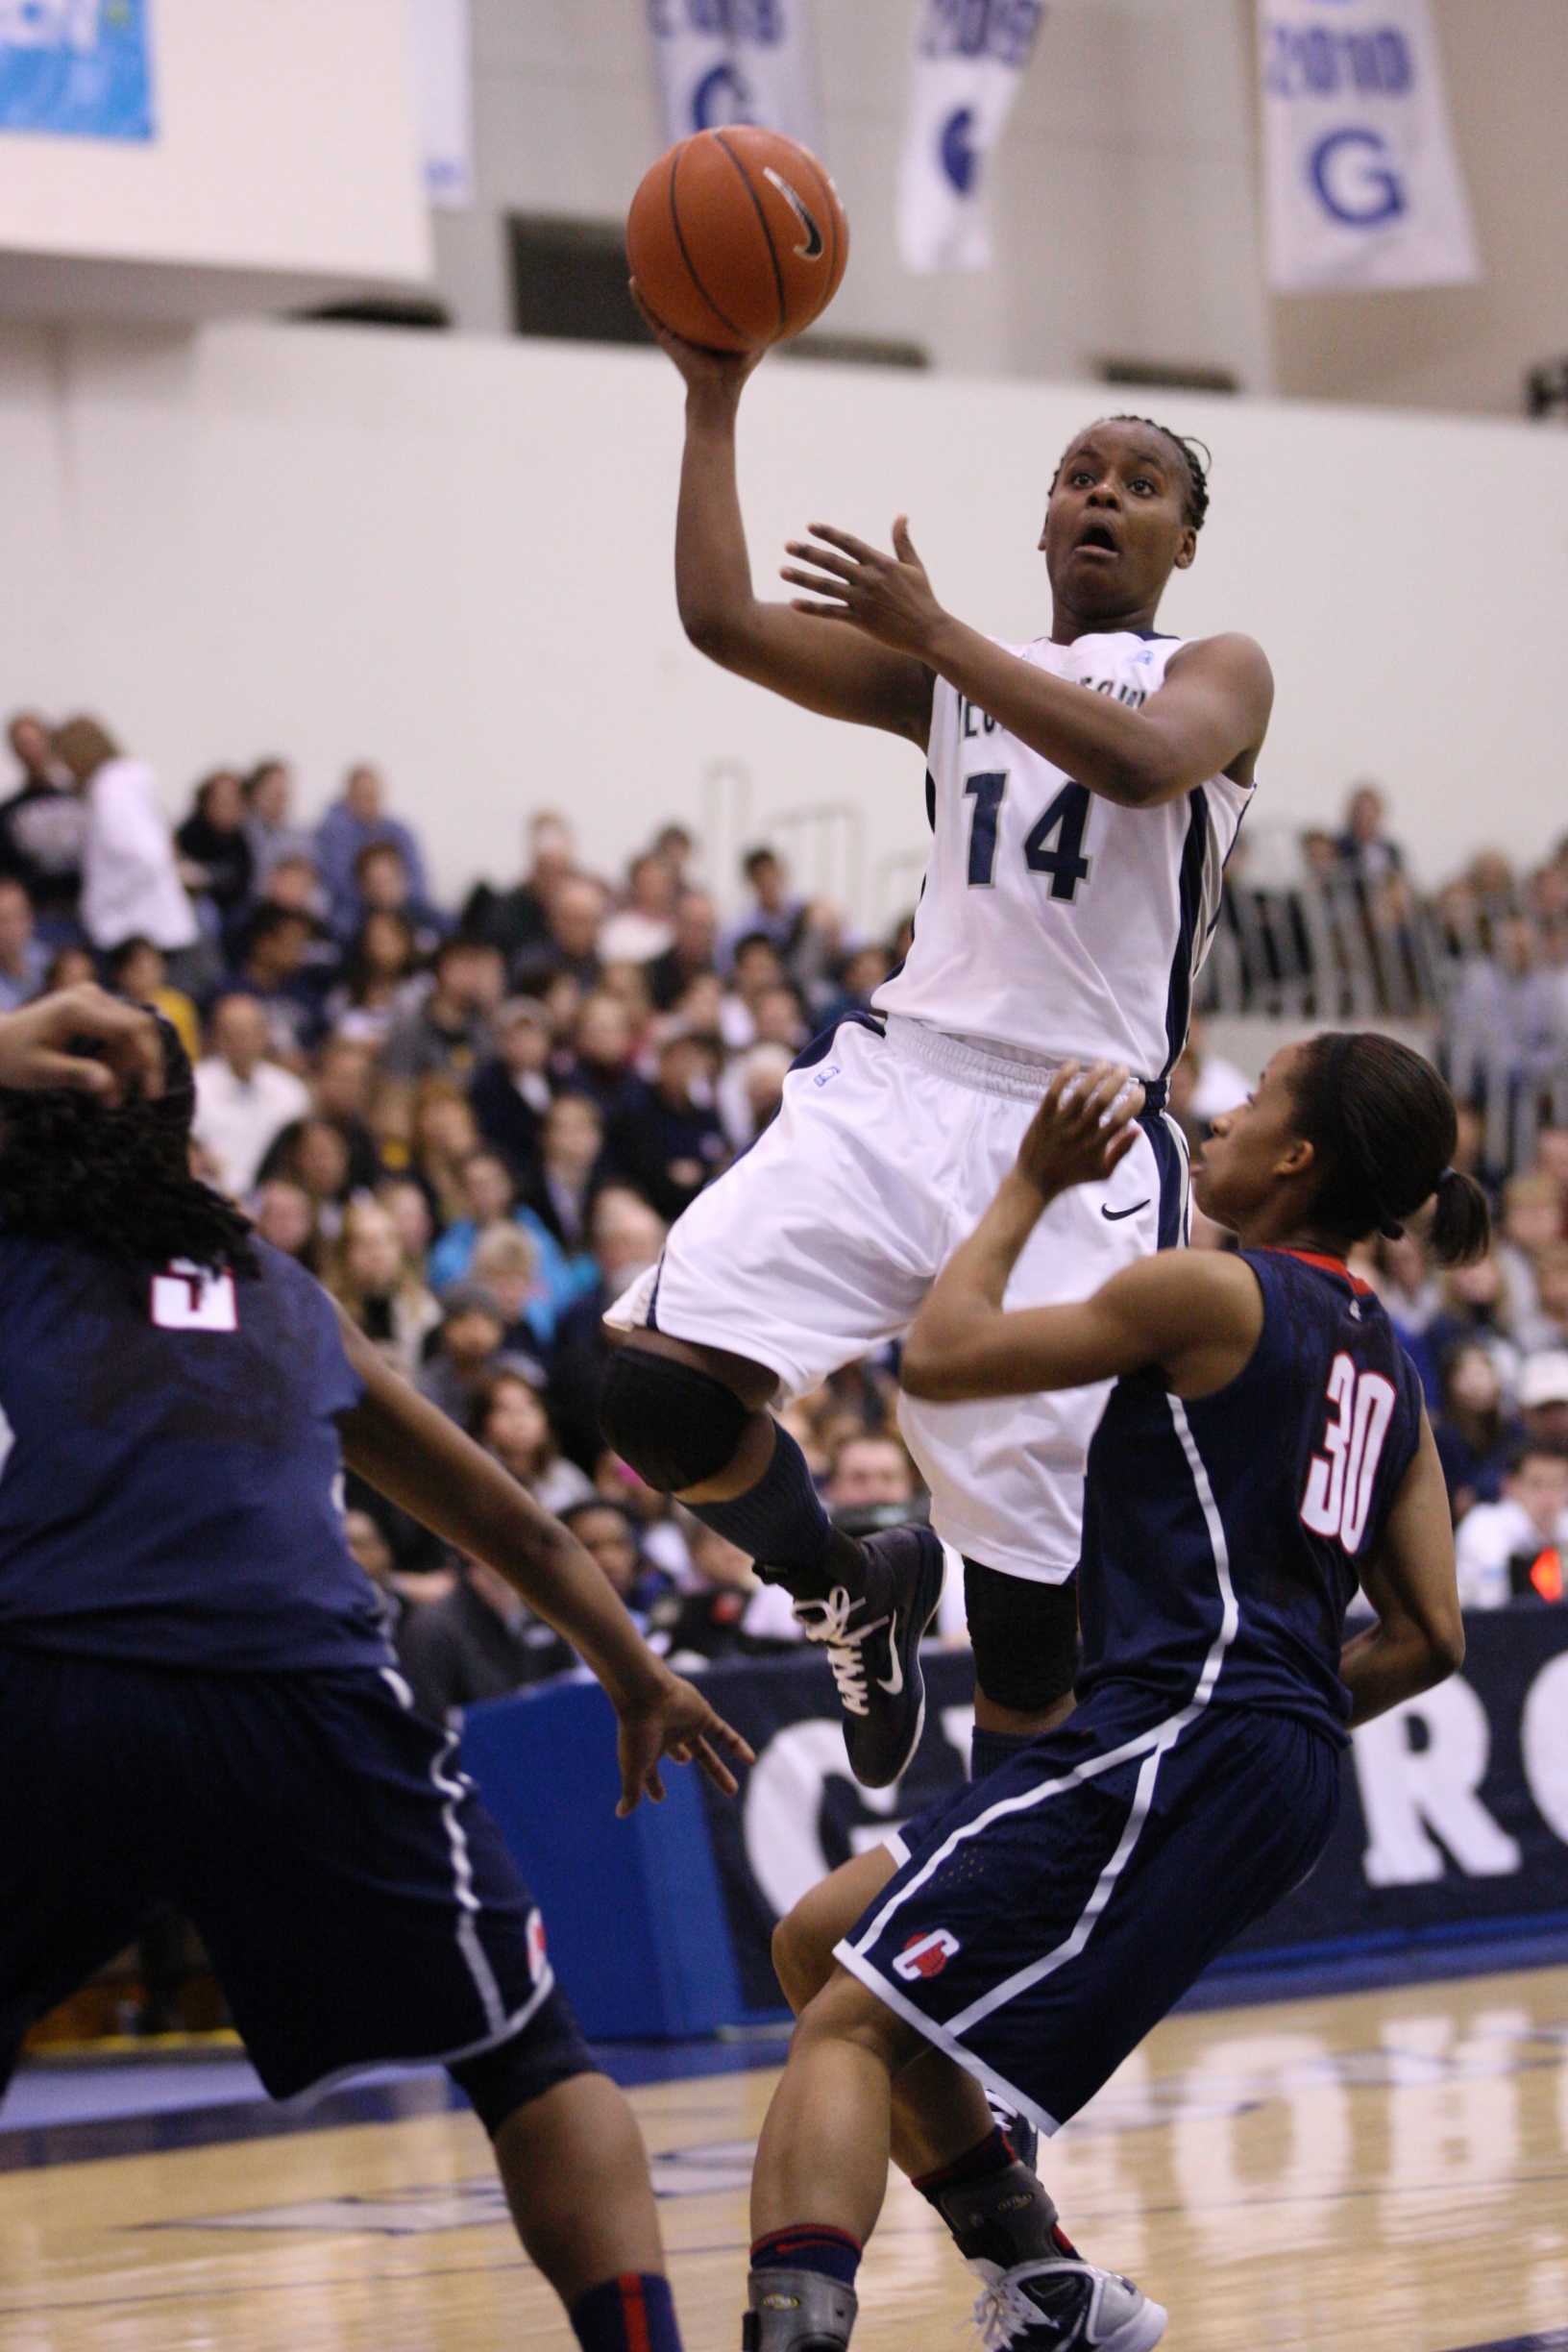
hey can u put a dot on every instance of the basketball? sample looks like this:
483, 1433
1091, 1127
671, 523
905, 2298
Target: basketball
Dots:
737, 238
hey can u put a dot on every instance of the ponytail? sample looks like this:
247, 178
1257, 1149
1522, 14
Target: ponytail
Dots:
1462, 1222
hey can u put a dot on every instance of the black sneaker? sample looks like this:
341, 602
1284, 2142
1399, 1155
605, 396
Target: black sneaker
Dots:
872, 1640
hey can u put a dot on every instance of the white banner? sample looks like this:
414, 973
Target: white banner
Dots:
1364, 190
969, 59
443, 48
736, 62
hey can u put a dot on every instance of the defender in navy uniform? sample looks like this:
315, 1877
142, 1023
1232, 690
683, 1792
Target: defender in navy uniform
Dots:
197, 1702
1263, 1452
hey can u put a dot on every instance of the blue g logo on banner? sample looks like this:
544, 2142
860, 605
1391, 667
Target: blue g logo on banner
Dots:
722, 96
1356, 179
956, 147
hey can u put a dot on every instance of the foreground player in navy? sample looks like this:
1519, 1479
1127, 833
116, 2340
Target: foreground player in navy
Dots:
1263, 1452
197, 1703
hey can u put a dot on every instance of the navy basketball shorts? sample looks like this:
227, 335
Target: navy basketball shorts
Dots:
1058, 1909
355, 1897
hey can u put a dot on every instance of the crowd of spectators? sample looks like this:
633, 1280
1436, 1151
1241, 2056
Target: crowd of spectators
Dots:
475, 1122
1341, 934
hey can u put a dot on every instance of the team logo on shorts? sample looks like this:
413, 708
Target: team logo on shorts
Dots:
925, 1955
535, 1932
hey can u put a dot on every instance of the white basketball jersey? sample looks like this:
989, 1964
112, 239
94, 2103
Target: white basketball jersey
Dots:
1052, 921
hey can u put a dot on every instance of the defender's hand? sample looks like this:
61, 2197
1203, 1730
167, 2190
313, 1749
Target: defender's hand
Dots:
889, 596
37, 1046
702, 370
1083, 1129
672, 1719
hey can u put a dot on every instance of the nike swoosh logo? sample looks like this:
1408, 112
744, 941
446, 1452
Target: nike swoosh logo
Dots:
892, 1683
813, 245
1114, 1216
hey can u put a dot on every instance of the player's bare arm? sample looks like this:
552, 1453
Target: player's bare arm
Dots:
1208, 718
1419, 1639
422, 1461
838, 676
1198, 1318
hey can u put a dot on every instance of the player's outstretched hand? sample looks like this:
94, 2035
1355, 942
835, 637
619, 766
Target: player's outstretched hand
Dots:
672, 1719
889, 596
699, 367
1083, 1128
40, 1046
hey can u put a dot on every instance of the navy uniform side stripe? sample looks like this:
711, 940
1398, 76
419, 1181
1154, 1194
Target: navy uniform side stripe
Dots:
1171, 1162
1194, 855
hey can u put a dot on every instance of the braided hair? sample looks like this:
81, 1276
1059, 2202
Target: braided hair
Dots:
1383, 1127
1195, 456
117, 1180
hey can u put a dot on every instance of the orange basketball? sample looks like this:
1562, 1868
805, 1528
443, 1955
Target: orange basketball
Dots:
737, 237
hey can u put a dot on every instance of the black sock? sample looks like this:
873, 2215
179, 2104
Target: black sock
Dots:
632, 2313
809, 2247
780, 1522
990, 2156
990, 1751
995, 2207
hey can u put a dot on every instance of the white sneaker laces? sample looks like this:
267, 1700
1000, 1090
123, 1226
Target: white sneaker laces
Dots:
828, 1621
1002, 2315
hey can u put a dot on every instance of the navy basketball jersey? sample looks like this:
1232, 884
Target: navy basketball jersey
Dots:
170, 1465
1223, 1537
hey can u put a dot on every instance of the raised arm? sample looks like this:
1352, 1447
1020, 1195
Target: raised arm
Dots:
836, 673
1418, 1640
1207, 718
419, 1460
1198, 1316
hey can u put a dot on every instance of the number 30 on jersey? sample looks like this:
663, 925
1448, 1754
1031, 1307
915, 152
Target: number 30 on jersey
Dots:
1345, 1474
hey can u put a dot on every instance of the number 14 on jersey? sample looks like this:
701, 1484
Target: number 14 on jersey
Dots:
1055, 843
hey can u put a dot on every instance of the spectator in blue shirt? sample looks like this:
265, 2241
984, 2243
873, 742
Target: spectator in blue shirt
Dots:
352, 824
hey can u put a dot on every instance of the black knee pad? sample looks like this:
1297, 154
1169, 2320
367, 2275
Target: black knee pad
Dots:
1025, 1637
549, 2049
678, 1427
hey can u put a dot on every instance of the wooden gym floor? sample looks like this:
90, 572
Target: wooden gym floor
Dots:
1381, 2171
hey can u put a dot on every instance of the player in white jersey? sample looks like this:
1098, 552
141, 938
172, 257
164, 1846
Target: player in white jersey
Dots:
1083, 791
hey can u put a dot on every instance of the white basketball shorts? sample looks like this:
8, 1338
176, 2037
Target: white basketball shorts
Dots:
818, 1245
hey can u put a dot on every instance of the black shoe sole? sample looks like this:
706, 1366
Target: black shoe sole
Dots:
879, 1744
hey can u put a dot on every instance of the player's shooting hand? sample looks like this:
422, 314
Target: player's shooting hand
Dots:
672, 1719
40, 1046
887, 595
702, 369
1083, 1129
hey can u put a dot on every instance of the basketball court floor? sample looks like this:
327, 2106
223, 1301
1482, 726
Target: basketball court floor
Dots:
1384, 2170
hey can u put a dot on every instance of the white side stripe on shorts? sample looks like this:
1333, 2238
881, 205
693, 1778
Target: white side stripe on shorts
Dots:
451, 1788
1038, 1969
1152, 1745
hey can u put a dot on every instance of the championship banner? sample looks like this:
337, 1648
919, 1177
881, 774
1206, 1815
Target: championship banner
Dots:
736, 62
76, 68
443, 45
1364, 191
970, 59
